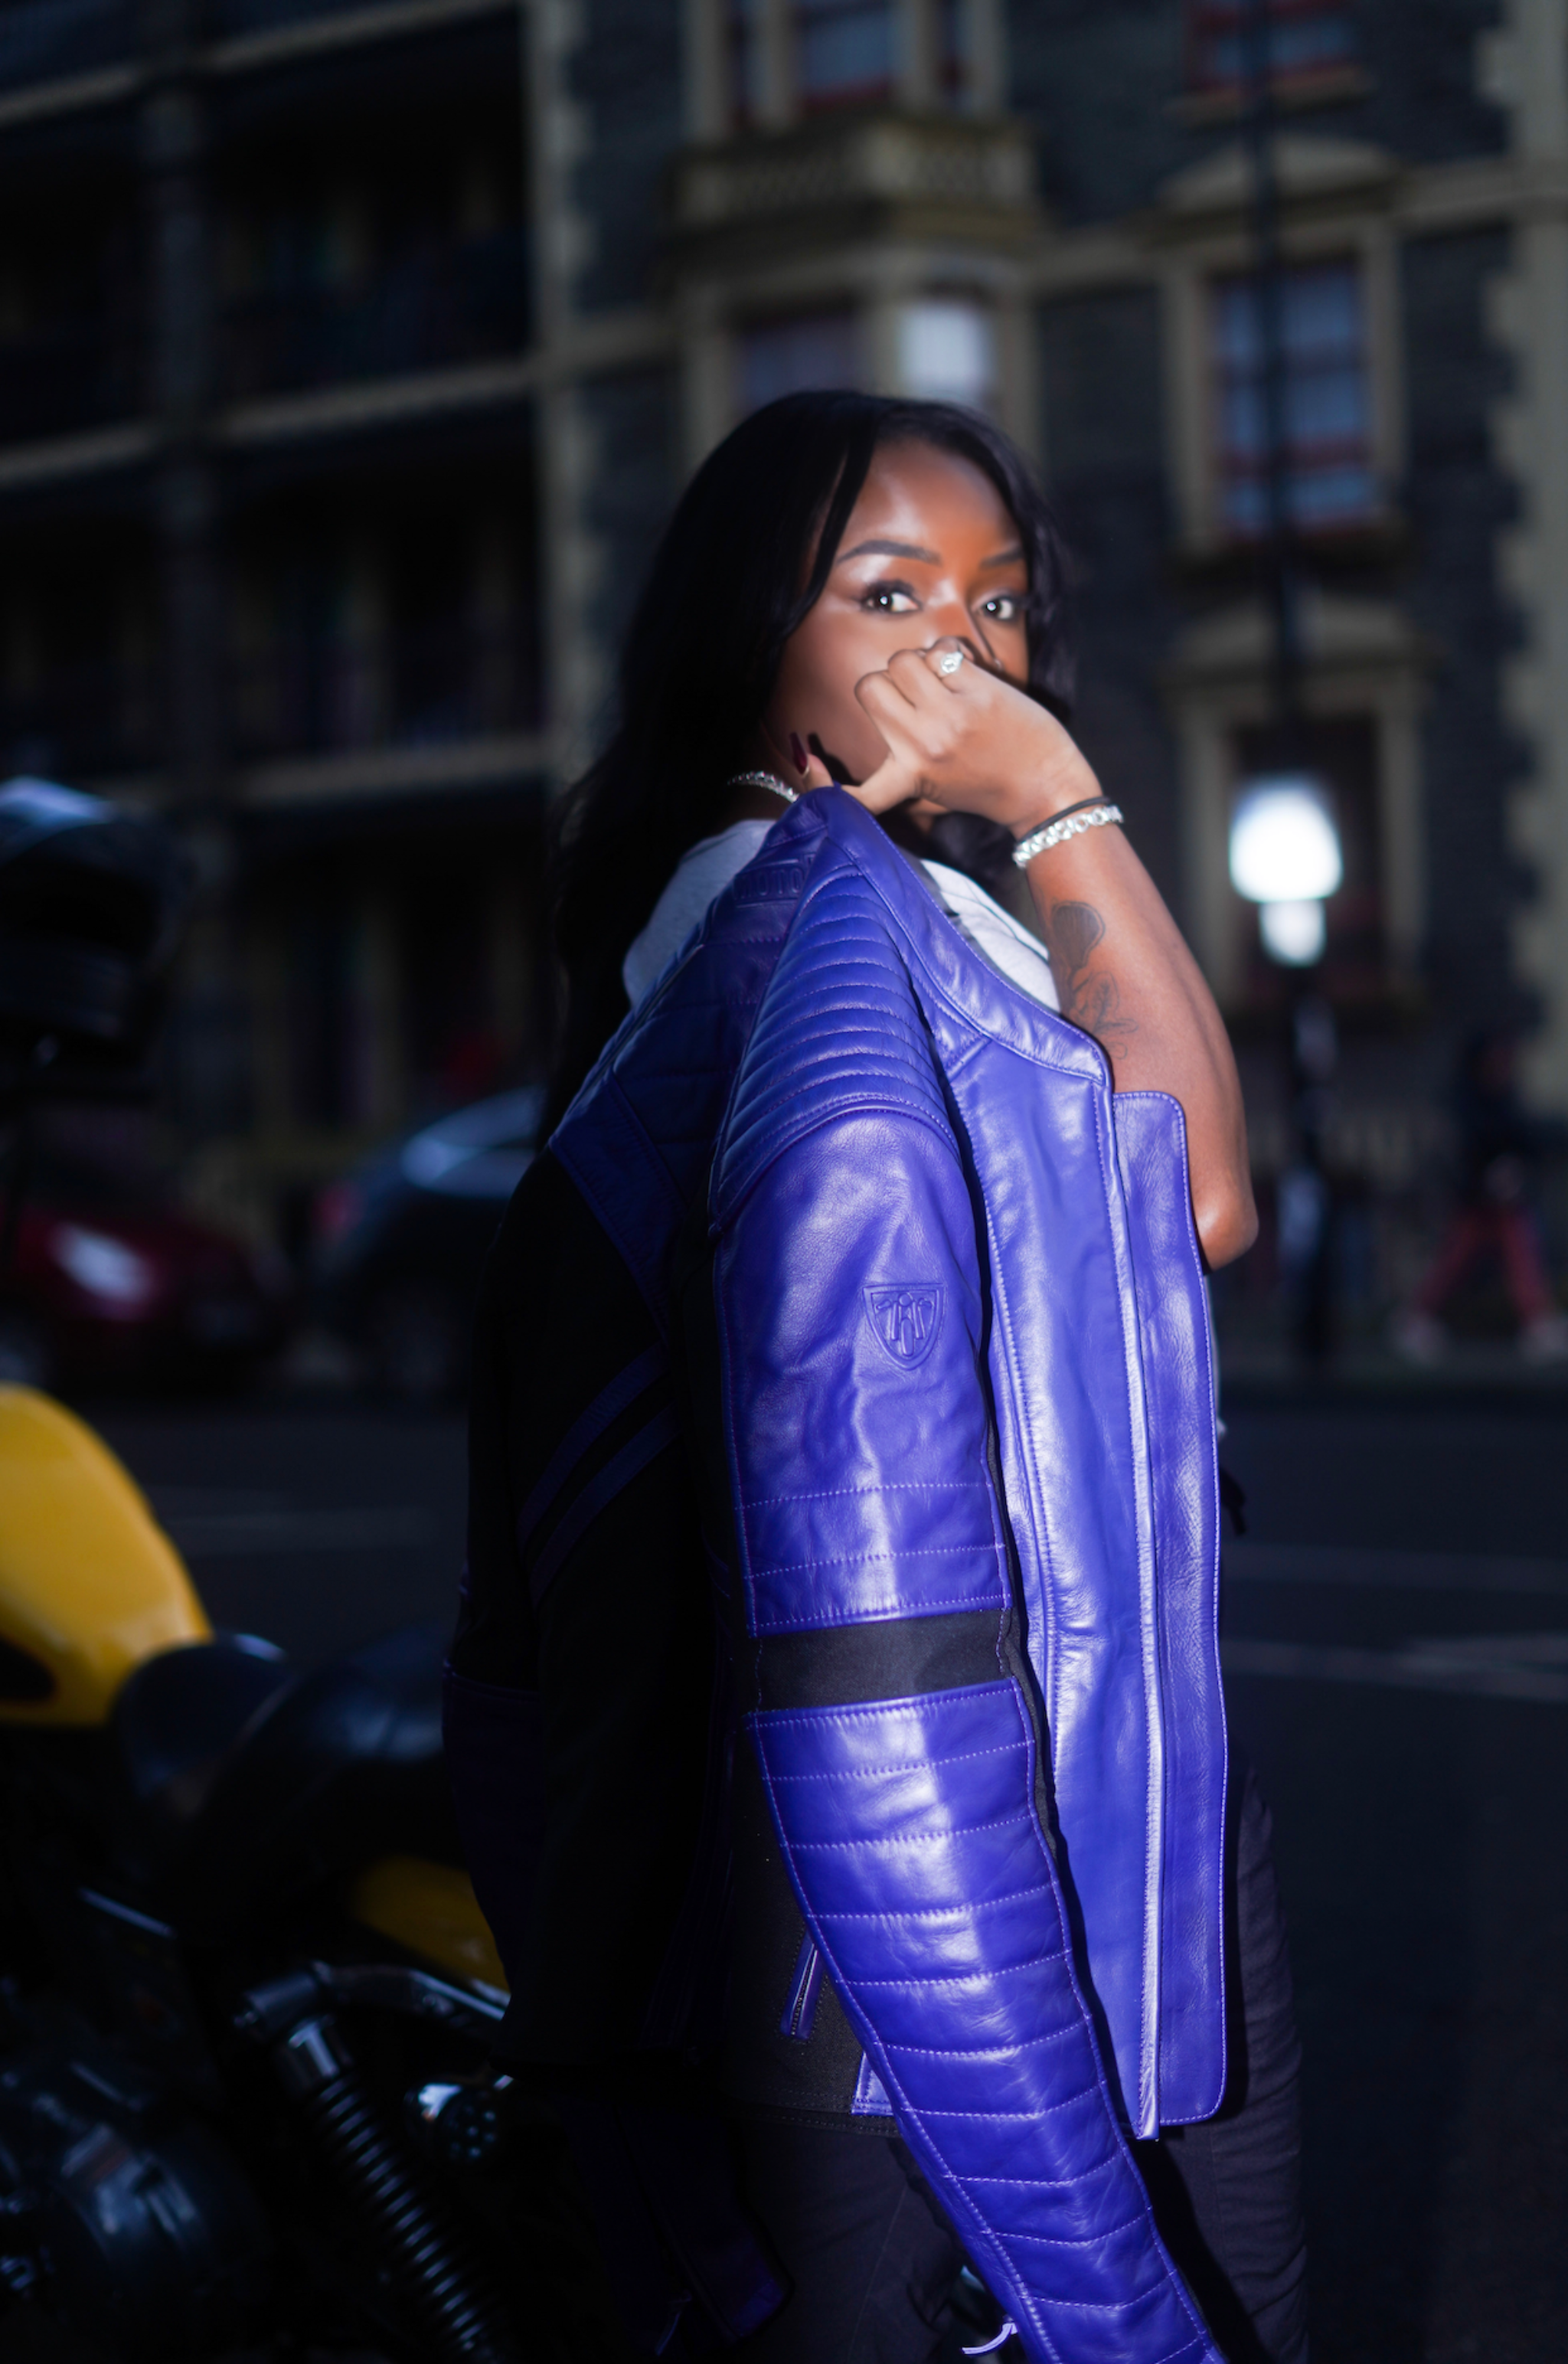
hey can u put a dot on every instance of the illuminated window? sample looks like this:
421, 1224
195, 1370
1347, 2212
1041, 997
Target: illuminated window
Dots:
1327, 410
844, 52
1304, 37
780, 357
947, 351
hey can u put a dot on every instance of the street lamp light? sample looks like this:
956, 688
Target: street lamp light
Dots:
1285, 856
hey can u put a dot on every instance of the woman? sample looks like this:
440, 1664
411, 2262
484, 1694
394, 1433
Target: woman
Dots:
793, 626
867, 596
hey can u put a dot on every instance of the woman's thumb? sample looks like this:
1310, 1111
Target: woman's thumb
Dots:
893, 782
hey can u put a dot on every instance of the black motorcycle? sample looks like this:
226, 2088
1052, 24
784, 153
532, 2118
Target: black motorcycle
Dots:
246, 1998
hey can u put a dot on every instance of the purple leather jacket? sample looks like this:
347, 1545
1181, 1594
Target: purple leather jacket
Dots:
946, 1354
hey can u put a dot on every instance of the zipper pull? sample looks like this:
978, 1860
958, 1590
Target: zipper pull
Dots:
1008, 2331
805, 1988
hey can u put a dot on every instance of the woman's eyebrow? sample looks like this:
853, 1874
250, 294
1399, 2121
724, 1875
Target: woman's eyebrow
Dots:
1003, 557
892, 550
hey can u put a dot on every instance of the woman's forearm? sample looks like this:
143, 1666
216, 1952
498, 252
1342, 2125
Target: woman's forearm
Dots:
960, 737
1124, 974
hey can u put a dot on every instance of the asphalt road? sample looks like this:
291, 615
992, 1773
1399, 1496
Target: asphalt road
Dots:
1396, 1631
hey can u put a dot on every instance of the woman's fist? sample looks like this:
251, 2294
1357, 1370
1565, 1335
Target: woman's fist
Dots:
968, 741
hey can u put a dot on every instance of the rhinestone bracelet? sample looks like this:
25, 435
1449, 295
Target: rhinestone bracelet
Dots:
1057, 832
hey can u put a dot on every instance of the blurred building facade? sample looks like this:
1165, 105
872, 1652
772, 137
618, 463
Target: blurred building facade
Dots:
352, 352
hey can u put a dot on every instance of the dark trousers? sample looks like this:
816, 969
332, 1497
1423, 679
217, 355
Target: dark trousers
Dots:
872, 2260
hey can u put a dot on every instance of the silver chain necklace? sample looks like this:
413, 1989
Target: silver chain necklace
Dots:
769, 780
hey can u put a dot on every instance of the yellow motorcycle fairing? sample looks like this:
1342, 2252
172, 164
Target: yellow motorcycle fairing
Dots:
90, 1585
429, 1908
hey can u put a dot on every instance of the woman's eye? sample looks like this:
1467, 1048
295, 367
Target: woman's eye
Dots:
1005, 609
891, 599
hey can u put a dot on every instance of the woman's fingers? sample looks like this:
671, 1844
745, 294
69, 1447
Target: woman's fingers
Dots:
914, 673
919, 722
967, 738
917, 712
948, 660
905, 732
910, 696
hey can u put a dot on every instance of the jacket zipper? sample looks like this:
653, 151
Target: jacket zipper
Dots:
804, 1986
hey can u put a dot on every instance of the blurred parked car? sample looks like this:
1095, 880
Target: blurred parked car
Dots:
400, 1244
109, 1283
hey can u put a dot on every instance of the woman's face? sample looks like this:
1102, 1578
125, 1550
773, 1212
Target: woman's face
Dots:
931, 552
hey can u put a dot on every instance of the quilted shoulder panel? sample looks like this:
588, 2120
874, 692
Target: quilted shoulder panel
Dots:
638, 1139
839, 1032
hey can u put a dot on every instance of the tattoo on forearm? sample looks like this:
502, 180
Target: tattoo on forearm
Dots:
1090, 994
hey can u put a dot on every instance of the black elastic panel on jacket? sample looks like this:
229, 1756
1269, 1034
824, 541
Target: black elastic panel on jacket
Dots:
619, 1646
838, 1665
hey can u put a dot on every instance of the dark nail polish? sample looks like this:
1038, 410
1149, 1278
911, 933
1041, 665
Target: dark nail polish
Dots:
797, 751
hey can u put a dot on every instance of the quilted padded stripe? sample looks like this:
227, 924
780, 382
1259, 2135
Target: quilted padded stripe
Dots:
1172, 1312
910, 1833
850, 1318
838, 1032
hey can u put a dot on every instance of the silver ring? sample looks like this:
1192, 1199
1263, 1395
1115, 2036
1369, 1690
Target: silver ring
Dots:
951, 662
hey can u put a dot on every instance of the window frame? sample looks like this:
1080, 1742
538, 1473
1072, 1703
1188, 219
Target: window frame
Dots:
1363, 658
1200, 85
813, 102
1305, 460
1209, 252
922, 73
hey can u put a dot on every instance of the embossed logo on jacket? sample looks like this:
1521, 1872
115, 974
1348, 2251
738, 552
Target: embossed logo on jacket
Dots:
905, 1316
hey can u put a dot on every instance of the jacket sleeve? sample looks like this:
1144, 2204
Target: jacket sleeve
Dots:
850, 1313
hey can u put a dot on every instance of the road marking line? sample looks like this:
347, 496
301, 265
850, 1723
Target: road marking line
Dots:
1480, 1666
1248, 1563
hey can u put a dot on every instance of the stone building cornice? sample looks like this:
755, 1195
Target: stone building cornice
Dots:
1233, 647
843, 178
1315, 175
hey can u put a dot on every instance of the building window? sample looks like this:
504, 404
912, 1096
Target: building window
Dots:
780, 60
844, 52
779, 357
1328, 405
744, 58
452, 1052
953, 50
321, 1005
1306, 38
947, 351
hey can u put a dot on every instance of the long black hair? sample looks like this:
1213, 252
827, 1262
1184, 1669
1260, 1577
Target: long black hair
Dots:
744, 560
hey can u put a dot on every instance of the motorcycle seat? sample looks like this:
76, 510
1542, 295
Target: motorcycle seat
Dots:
333, 1766
181, 1713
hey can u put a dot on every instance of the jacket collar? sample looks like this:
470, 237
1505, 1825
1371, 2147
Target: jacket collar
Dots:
953, 982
